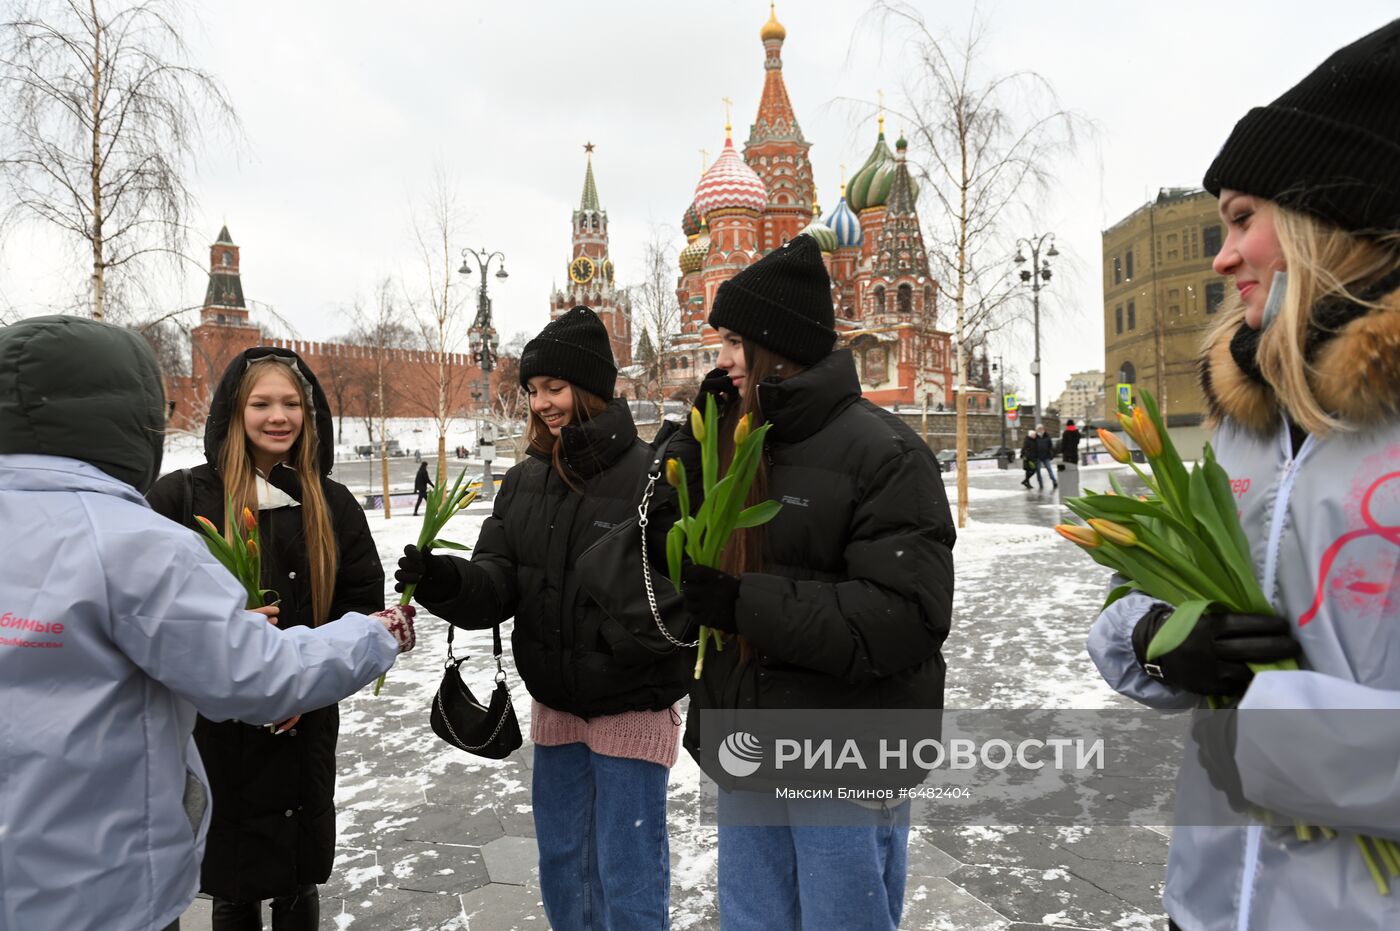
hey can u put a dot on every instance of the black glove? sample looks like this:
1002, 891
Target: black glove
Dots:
437, 579
710, 597
1212, 659
718, 384
1215, 734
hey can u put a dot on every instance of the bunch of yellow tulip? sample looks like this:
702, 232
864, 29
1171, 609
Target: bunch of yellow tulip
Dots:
1184, 545
440, 506
238, 551
702, 537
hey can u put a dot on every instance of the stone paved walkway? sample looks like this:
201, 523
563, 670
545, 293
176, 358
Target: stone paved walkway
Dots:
432, 839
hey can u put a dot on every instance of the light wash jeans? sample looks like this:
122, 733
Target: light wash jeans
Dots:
846, 876
1049, 466
600, 824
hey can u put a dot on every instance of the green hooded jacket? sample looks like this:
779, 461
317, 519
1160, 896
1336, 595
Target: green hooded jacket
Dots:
83, 389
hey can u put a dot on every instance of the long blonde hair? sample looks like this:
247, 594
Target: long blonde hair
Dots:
1323, 262
238, 473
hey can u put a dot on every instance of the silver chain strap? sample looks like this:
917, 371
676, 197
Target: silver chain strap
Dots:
646, 566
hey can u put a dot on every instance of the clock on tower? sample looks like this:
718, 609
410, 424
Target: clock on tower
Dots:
581, 269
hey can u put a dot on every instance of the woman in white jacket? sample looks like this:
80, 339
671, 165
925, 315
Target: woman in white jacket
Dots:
116, 625
1301, 377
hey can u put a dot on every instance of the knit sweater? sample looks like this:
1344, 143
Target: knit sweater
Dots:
651, 736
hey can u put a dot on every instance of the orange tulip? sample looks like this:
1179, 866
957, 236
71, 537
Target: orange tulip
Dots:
1113, 532
250, 522
673, 473
1129, 426
1086, 537
741, 430
208, 525
1115, 447
252, 549
1146, 434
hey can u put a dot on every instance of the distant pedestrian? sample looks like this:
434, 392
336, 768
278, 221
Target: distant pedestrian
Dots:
1028, 455
421, 484
1044, 456
1069, 443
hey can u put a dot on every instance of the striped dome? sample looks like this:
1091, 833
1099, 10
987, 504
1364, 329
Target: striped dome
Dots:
730, 183
692, 257
822, 234
844, 225
690, 222
870, 185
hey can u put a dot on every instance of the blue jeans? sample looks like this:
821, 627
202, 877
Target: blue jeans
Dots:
812, 878
600, 823
1049, 466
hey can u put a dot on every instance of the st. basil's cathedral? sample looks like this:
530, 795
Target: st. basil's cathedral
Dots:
884, 296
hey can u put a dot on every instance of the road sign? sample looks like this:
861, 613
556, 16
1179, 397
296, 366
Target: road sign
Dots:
1125, 397
1008, 402
1011, 418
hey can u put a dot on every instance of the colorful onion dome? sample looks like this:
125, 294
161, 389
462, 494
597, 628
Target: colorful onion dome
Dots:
730, 183
772, 29
822, 234
844, 224
692, 257
870, 185
690, 222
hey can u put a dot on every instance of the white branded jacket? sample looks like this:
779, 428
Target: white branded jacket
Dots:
116, 626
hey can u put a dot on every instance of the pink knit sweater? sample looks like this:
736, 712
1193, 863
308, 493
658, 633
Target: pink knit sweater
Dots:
652, 736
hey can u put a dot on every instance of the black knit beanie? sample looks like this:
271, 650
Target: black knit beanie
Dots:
576, 348
1330, 146
782, 302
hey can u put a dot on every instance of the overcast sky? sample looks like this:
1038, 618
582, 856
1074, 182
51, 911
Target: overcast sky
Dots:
349, 106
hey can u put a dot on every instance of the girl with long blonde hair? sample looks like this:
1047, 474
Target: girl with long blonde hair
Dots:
1301, 380
268, 445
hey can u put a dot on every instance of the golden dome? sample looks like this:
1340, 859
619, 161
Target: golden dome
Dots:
772, 29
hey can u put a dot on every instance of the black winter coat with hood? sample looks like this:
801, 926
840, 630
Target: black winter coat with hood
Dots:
856, 597
273, 825
571, 654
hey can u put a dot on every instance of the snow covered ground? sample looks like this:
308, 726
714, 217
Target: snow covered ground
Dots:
431, 838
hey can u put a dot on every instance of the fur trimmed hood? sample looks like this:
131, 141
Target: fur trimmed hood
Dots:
1355, 367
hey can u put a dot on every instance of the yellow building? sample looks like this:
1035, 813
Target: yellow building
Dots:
1161, 298
1083, 398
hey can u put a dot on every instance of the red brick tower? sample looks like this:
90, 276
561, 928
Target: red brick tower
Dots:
776, 149
224, 327
590, 272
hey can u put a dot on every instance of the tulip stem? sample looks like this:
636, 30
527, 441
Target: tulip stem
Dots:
1382, 886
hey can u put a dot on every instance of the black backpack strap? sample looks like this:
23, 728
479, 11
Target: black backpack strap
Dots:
187, 512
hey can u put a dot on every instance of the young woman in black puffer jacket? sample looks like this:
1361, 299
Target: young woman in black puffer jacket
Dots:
268, 446
841, 602
603, 723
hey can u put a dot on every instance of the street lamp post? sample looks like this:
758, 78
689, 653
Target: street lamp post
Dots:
483, 343
1037, 273
1000, 368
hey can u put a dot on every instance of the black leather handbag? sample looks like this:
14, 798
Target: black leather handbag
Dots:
491, 730
608, 571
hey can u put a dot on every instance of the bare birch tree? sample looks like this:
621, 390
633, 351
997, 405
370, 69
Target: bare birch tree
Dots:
100, 113
655, 309
437, 224
985, 147
379, 331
